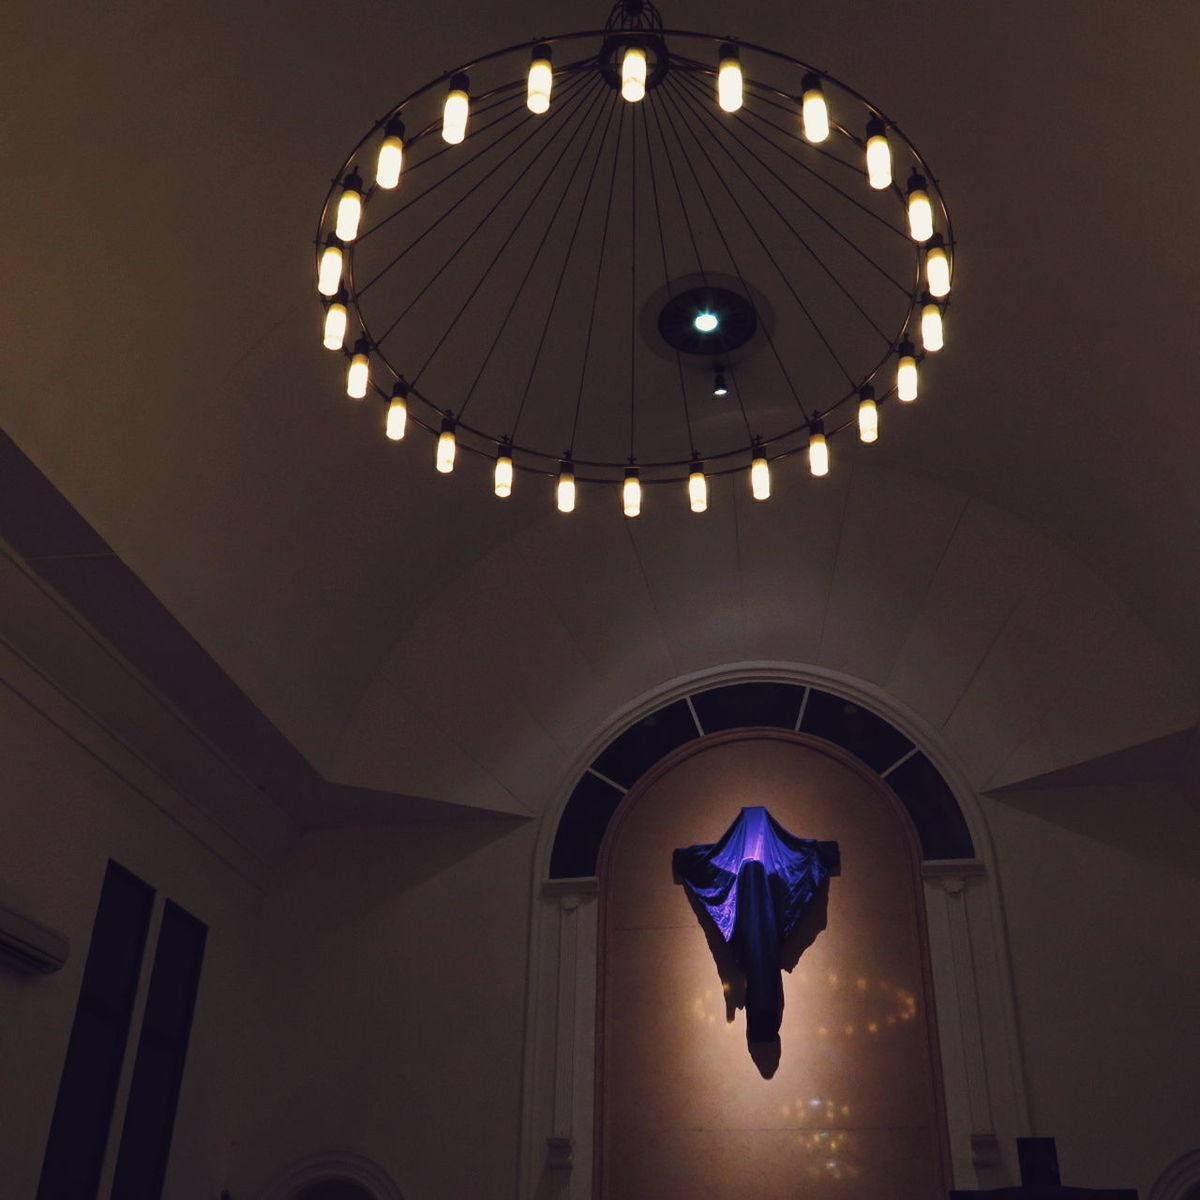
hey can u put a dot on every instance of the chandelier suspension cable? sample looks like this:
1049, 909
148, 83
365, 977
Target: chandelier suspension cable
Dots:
830, 225
591, 324
783, 276
662, 246
535, 258
724, 134
379, 226
497, 270
733, 261
553, 303
519, 177
687, 220
806, 246
633, 286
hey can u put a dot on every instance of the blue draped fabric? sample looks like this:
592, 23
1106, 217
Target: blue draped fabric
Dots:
757, 883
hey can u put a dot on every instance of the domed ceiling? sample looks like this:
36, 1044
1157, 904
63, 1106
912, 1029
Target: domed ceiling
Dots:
409, 633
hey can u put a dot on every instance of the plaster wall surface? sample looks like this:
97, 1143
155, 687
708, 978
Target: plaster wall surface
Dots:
66, 812
389, 1008
1102, 891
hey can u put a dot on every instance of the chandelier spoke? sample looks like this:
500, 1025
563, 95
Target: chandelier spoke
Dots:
723, 133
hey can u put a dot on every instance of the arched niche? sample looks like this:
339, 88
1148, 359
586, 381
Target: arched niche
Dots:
854, 1099
984, 1090
333, 1175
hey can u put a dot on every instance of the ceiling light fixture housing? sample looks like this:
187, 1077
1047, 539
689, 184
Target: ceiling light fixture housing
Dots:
511, 277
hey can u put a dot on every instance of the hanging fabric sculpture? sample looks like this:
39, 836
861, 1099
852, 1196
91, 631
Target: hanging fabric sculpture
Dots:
756, 884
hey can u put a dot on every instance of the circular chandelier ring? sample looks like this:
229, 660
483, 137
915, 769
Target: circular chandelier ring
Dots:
772, 446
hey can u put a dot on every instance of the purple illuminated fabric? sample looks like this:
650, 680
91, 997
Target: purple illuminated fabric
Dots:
757, 883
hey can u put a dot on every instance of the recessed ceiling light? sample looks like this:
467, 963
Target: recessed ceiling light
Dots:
706, 322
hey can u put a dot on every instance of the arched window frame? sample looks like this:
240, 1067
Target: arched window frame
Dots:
985, 1090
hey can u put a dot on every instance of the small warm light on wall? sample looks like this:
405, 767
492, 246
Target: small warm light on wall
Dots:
329, 270
868, 415
541, 79
760, 476
937, 269
390, 160
565, 490
906, 373
814, 112
633, 74
631, 493
879, 156
818, 451
358, 374
349, 208
397, 413
455, 110
932, 333
446, 447
334, 333
920, 210
502, 475
729, 79
697, 488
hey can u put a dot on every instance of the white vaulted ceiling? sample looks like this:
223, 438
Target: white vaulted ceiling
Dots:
1016, 562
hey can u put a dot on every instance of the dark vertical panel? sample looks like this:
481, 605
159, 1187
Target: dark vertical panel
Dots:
628, 757
581, 828
88, 1088
741, 704
161, 1054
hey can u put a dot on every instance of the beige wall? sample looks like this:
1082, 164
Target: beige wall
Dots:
389, 1007
67, 810
1102, 892
852, 1108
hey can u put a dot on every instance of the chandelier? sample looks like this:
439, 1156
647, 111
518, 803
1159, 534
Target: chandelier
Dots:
634, 257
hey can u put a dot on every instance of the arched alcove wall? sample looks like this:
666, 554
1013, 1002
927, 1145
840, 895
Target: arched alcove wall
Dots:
853, 1098
984, 1090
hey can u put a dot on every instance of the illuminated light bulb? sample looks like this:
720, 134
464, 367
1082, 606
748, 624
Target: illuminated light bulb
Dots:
868, 416
454, 111
349, 208
729, 79
719, 386
564, 492
814, 112
920, 210
906, 373
397, 413
446, 446
633, 74
937, 269
631, 493
706, 322
391, 155
818, 450
329, 270
879, 156
697, 488
502, 476
541, 79
932, 334
358, 374
334, 333
760, 476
